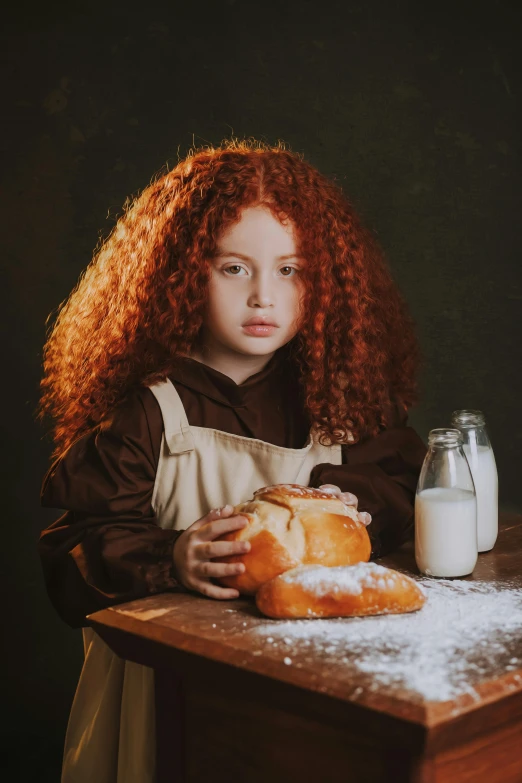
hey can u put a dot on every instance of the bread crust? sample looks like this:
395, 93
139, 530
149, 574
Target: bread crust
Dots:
290, 525
345, 591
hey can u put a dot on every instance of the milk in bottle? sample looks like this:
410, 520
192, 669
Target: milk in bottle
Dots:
445, 509
481, 460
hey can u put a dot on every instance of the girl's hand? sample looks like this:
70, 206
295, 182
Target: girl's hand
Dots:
196, 547
350, 500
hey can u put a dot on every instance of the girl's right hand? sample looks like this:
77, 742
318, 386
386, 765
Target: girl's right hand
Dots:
196, 547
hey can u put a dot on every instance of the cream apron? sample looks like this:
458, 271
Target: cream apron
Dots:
110, 734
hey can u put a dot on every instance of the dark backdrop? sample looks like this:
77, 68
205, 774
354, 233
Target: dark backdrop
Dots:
414, 108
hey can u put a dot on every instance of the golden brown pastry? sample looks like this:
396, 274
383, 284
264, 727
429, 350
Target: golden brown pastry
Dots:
345, 591
291, 525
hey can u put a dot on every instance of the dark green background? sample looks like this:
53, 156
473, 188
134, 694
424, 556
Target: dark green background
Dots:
413, 108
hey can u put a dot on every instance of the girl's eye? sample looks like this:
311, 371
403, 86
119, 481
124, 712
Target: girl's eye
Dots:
233, 266
291, 268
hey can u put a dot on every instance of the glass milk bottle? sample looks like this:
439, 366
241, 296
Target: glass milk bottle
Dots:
481, 459
445, 509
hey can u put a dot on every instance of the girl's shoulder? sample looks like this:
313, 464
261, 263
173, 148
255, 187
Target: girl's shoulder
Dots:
122, 450
137, 412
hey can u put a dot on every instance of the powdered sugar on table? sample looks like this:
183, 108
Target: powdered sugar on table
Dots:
465, 631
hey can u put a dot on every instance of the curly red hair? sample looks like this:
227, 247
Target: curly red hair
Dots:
141, 300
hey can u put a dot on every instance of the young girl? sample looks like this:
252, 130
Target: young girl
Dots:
239, 328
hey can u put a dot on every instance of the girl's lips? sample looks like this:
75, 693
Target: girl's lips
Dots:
260, 330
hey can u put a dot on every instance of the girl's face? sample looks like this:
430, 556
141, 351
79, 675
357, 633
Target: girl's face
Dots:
255, 274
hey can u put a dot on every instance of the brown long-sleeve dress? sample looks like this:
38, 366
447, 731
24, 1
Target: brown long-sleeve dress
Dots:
107, 548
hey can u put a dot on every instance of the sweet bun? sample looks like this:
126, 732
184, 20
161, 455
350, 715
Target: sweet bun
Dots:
345, 591
291, 525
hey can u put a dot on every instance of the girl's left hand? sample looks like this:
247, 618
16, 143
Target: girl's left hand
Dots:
349, 499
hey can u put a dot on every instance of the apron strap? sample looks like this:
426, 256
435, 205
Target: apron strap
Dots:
178, 436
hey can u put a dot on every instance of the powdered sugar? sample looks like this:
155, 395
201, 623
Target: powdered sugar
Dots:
467, 633
347, 579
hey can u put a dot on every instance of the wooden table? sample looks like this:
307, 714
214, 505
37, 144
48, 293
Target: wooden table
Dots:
230, 708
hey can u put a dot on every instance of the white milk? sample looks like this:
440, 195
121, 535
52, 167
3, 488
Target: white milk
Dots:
446, 531
484, 471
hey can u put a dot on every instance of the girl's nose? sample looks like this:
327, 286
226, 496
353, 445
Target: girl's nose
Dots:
261, 294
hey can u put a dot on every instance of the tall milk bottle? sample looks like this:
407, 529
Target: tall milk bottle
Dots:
445, 509
478, 451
